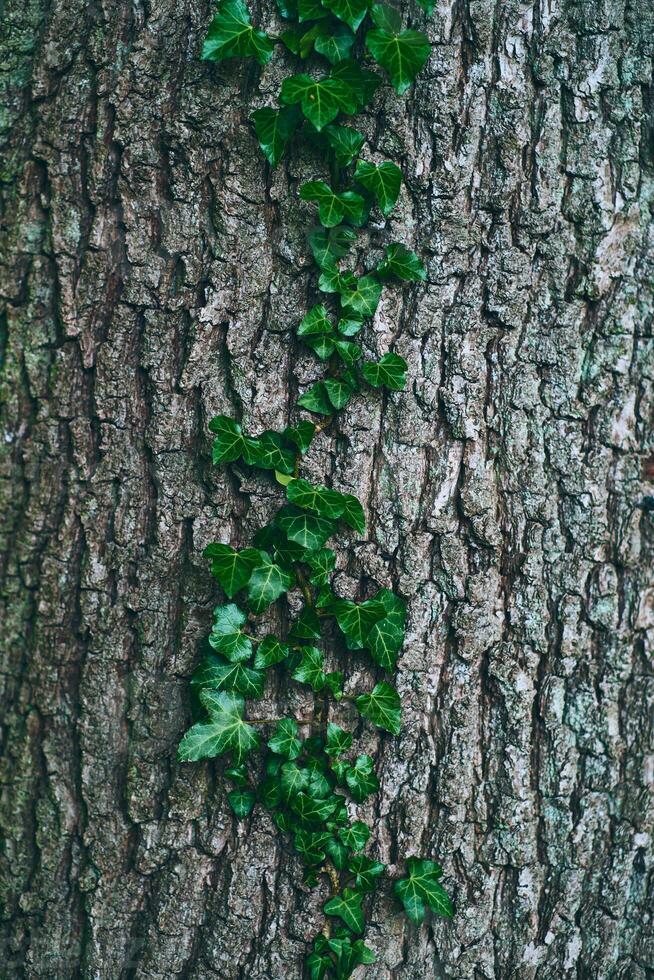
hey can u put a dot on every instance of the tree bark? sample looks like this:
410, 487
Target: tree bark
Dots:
153, 272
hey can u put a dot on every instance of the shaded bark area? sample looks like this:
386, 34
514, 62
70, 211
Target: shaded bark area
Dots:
152, 272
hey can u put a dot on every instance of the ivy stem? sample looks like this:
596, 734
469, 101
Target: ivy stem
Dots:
304, 585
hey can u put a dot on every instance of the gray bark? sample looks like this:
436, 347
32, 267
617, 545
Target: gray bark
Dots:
153, 271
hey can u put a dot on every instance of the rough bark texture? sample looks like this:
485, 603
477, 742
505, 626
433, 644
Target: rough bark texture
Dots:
153, 270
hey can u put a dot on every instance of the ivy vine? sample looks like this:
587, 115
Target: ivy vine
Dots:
309, 776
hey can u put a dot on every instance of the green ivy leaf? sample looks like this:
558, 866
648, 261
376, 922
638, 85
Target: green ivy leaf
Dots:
385, 641
274, 129
350, 325
355, 836
224, 732
383, 181
269, 652
231, 567
356, 619
361, 83
229, 442
269, 453
316, 322
311, 846
353, 514
288, 9
322, 565
310, 669
348, 352
427, 5
401, 53
361, 779
332, 207
335, 43
349, 954
312, 810
339, 391
330, 244
421, 888
316, 400
389, 371
365, 871
308, 531
352, 12
386, 18
348, 908
267, 583
321, 101
310, 10
242, 802
364, 298
332, 280
227, 636
344, 142
402, 263
293, 780
381, 707
306, 626
301, 435
318, 965
285, 740
231, 35
325, 503
338, 740
239, 774
220, 675
338, 853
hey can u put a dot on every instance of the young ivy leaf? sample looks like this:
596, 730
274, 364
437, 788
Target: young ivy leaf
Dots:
311, 846
364, 297
310, 669
306, 530
311, 809
381, 707
402, 263
227, 636
330, 244
267, 582
389, 371
350, 325
361, 780
349, 353
383, 181
332, 207
269, 652
348, 908
229, 442
356, 619
356, 836
310, 10
326, 503
335, 43
274, 128
338, 740
353, 514
242, 802
285, 740
339, 391
268, 452
421, 888
365, 871
226, 731
231, 34
344, 142
217, 674
361, 83
322, 565
316, 400
301, 435
231, 567
321, 101
316, 322
401, 53
352, 12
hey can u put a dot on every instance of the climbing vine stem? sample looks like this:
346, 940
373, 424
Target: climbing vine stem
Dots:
311, 785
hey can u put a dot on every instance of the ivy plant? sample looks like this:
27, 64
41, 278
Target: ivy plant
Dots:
306, 771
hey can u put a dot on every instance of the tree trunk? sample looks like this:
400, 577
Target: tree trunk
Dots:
154, 270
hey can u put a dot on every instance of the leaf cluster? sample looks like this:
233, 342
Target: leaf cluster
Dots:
307, 772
